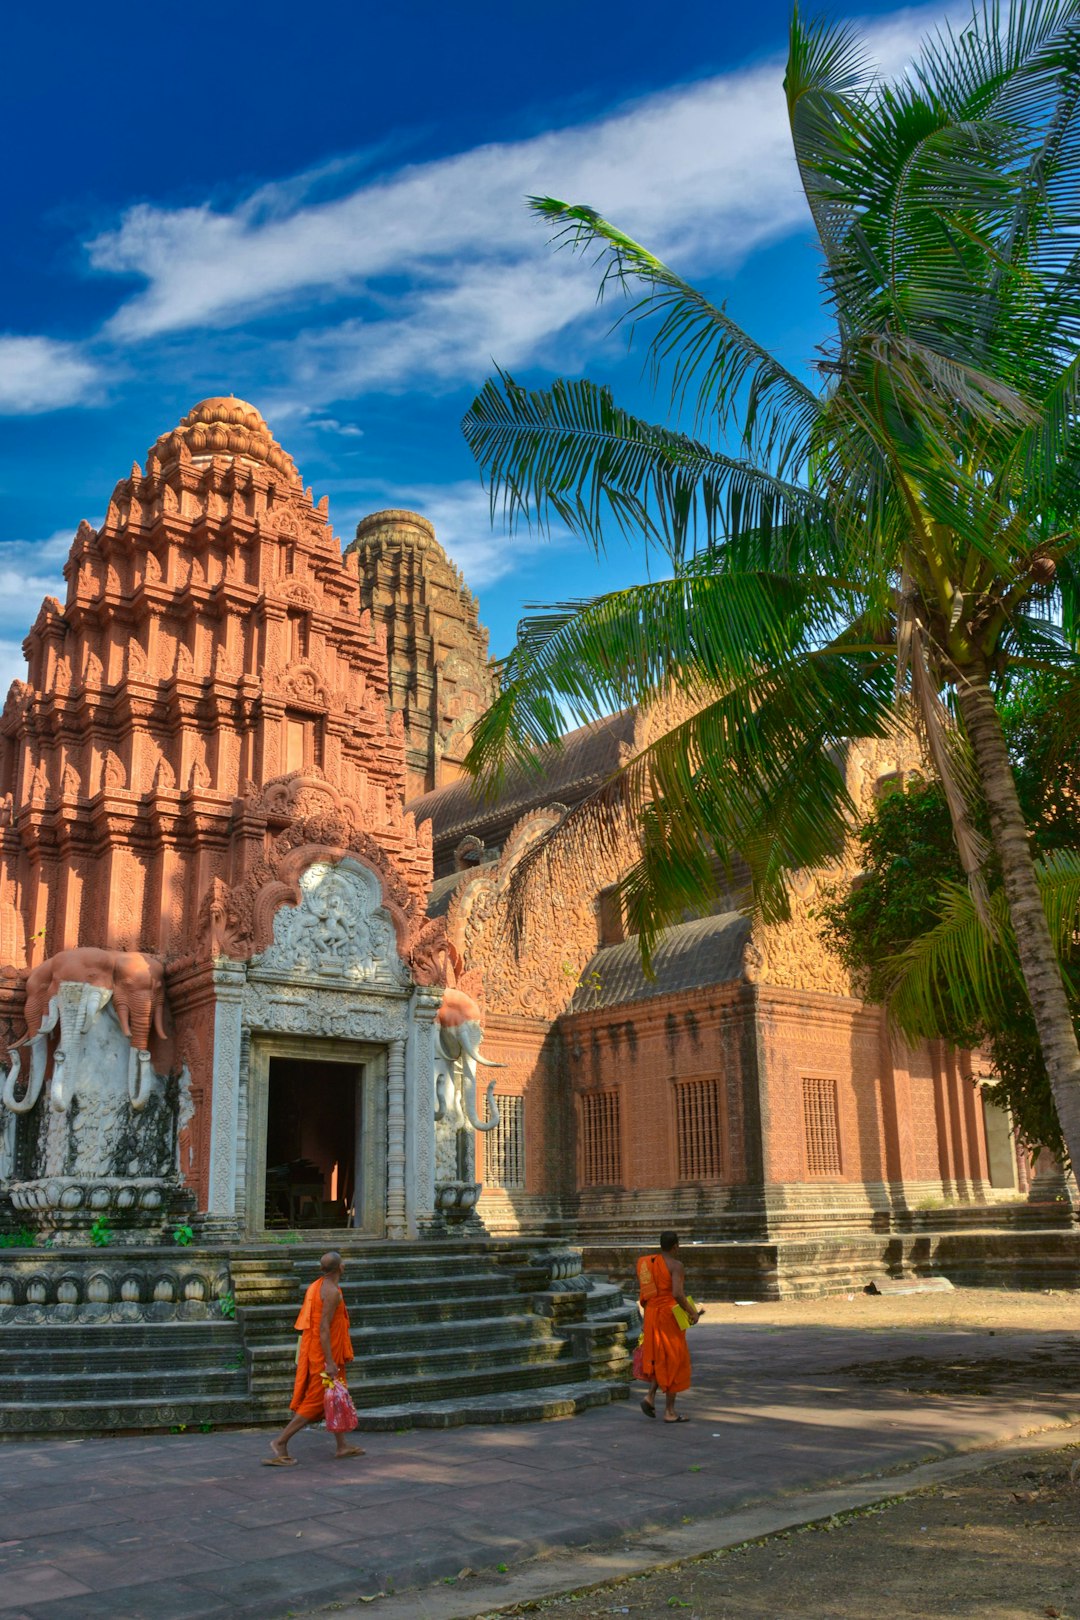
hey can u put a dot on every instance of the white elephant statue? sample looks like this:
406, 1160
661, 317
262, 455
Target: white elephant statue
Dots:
458, 1035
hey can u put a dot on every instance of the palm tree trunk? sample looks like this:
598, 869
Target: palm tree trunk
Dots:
1035, 948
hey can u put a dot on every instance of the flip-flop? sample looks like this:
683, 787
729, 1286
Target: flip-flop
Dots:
648, 1409
350, 1451
676, 1420
279, 1462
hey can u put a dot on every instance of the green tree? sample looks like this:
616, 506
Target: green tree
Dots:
908, 931
895, 541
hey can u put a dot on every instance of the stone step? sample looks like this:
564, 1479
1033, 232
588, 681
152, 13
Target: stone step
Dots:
430, 1365
403, 1287
91, 1416
281, 1325
169, 1339
503, 1406
73, 1358
424, 1308
149, 1384
368, 1393
418, 1335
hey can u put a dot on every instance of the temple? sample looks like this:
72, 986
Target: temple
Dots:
241, 873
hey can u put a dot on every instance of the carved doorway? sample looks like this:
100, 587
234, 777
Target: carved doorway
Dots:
312, 1142
316, 1135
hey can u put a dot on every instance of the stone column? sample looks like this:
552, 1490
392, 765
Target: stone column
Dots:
420, 1110
396, 1220
225, 1094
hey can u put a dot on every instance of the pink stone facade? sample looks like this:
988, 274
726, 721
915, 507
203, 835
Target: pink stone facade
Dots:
204, 717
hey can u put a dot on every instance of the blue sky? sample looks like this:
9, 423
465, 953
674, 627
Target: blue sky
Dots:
321, 210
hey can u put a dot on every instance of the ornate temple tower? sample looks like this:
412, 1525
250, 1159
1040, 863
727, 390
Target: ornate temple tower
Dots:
437, 650
206, 723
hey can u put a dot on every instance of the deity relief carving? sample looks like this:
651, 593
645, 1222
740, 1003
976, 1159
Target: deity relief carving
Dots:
113, 777
339, 930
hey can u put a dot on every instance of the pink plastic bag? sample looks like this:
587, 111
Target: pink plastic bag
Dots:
338, 1409
638, 1364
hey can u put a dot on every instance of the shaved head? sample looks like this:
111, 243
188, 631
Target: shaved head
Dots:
331, 1263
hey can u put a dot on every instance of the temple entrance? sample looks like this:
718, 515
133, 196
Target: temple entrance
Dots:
313, 1118
316, 1123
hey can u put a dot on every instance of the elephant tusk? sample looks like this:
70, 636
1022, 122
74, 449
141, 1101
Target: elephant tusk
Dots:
57, 1101
139, 1088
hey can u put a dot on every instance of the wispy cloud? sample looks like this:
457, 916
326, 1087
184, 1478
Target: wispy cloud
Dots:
440, 263
30, 570
42, 374
461, 515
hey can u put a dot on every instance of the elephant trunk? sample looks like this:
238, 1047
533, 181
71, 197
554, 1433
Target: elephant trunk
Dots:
32, 1092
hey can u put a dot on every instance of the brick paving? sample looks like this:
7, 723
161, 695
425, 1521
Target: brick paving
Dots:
190, 1527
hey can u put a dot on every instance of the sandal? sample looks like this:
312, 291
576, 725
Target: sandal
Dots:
648, 1408
279, 1462
677, 1420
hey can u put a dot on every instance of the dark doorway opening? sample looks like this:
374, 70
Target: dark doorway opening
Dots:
312, 1126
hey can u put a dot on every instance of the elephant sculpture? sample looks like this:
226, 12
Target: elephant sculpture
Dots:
137, 983
132, 981
458, 1035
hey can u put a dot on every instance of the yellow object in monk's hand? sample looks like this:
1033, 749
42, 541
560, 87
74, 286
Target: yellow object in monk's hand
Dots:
681, 1318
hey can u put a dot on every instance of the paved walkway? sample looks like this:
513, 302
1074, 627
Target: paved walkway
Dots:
189, 1527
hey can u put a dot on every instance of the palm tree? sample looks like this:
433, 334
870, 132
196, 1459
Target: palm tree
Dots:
887, 544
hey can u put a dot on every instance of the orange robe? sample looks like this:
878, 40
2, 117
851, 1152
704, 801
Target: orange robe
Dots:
307, 1395
664, 1354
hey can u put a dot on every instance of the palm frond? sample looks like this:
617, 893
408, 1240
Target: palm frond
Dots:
964, 967
712, 360
570, 452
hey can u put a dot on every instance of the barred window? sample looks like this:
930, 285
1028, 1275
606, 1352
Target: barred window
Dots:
697, 1130
601, 1159
821, 1121
504, 1147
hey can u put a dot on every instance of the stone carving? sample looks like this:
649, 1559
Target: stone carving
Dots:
69, 782
338, 930
113, 776
199, 779
296, 1010
164, 776
106, 1138
458, 1035
135, 981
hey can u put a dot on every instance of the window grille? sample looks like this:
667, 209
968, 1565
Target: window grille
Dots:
601, 1158
821, 1121
504, 1147
697, 1130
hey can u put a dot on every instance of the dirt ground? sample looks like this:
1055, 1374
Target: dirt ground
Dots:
965, 1309
997, 1545
1000, 1544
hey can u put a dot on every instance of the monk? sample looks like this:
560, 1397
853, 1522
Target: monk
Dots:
324, 1347
665, 1358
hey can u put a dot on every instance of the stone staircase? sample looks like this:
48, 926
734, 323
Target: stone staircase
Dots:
447, 1331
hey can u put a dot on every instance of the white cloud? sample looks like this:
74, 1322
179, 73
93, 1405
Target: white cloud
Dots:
42, 374
444, 265
30, 570
461, 516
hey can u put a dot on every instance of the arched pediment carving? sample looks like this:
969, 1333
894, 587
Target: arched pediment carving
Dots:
240, 920
338, 929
